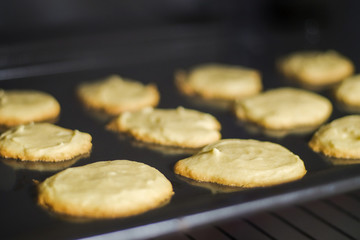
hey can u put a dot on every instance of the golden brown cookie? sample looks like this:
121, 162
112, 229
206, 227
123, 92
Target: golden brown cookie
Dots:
242, 163
316, 68
25, 106
171, 127
43, 142
105, 189
348, 92
114, 95
284, 108
216, 81
340, 138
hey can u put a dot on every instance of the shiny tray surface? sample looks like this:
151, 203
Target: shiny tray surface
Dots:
155, 61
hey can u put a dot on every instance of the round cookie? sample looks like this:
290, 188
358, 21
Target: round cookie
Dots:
105, 189
284, 109
243, 163
216, 81
25, 106
171, 127
43, 142
348, 92
316, 68
114, 95
340, 138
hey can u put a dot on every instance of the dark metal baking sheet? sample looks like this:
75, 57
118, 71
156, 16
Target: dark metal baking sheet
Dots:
156, 60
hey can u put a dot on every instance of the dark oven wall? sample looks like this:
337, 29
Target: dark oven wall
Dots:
27, 20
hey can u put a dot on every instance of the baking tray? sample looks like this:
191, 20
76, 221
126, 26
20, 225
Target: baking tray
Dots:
155, 59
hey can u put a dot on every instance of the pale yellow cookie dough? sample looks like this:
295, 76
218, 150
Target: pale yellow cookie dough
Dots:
348, 92
340, 138
216, 81
114, 95
316, 68
284, 108
105, 189
43, 142
243, 163
25, 106
171, 127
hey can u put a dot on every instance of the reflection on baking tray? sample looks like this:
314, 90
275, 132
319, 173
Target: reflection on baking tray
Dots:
291, 82
214, 104
252, 128
165, 150
68, 218
213, 187
340, 161
98, 115
42, 166
348, 108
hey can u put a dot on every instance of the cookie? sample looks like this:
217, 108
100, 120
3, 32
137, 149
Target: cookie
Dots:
316, 68
114, 95
284, 108
25, 106
348, 92
179, 127
242, 163
340, 138
43, 142
216, 81
105, 189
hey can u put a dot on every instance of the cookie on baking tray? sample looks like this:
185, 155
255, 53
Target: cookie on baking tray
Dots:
316, 68
242, 163
114, 95
105, 189
179, 127
284, 108
216, 81
43, 142
25, 106
348, 92
339, 138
